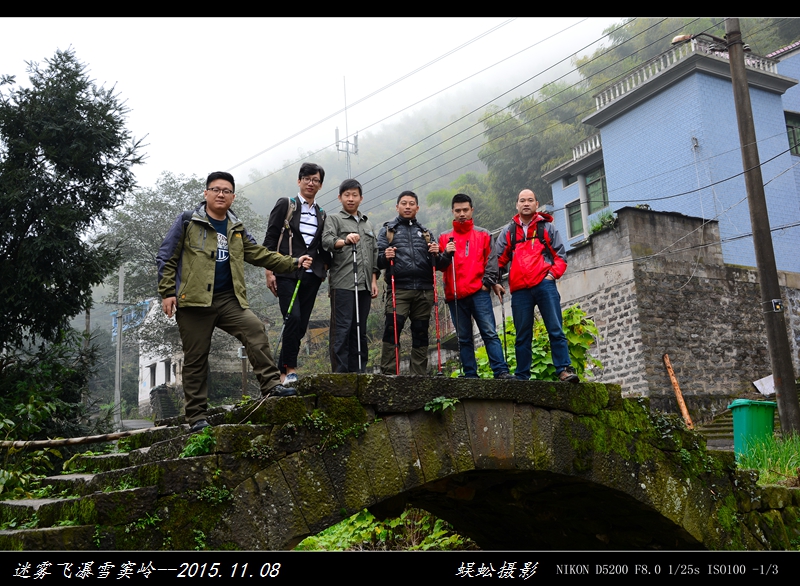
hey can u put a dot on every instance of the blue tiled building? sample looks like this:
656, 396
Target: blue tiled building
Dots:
667, 137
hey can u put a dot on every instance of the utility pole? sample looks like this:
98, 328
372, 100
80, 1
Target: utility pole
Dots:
345, 146
771, 305
118, 372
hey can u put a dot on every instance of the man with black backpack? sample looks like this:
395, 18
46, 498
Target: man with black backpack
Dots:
295, 228
532, 249
201, 281
409, 255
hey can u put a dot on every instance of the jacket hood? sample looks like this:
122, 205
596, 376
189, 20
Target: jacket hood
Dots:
200, 211
463, 227
536, 218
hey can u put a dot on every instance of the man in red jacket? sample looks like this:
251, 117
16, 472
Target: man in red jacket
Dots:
532, 249
469, 295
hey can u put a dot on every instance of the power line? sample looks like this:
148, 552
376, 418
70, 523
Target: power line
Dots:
510, 105
380, 201
387, 86
425, 99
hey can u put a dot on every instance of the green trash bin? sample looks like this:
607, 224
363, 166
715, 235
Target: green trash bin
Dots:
752, 420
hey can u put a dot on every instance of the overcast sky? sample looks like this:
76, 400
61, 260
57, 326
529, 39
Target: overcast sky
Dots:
212, 93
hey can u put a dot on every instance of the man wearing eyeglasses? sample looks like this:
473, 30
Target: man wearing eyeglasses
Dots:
295, 227
201, 281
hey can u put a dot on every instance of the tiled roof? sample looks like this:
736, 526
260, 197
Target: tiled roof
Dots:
783, 50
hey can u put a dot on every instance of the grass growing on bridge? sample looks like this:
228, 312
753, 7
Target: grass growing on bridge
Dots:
777, 460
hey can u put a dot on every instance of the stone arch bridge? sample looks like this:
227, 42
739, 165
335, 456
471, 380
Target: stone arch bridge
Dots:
513, 465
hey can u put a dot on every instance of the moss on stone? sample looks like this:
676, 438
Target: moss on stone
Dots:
345, 411
183, 517
591, 399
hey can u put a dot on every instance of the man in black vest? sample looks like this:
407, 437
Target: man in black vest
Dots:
408, 252
295, 228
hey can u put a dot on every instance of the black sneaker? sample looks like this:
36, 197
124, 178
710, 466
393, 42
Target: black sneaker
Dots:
505, 376
281, 391
568, 376
199, 425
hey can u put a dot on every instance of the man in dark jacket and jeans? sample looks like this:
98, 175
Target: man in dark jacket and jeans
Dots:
295, 228
408, 245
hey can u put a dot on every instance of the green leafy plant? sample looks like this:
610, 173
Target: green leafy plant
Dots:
581, 333
603, 220
67, 523
124, 445
50, 491
124, 483
30, 523
21, 468
148, 521
332, 434
200, 540
260, 451
440, 404
200, 444
244, 401
214, 495
414, 529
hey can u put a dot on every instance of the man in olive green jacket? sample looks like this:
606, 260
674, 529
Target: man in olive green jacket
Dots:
201, 281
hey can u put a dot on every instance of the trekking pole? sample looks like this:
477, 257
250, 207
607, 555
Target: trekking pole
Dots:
455, 299
436, 312
505, 342
286, 319
394, 315
358, 320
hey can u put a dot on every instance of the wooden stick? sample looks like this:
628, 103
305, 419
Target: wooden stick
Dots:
678, 395
74, 441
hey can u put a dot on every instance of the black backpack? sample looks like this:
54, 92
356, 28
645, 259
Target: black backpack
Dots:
541, 236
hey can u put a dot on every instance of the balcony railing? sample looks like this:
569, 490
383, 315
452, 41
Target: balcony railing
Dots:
586, 146
669, 59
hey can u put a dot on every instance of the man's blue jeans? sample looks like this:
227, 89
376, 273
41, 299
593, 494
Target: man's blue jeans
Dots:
545, 296
477, 306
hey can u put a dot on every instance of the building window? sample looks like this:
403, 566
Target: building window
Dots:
596, 189
574, 219
167, 371
569, 180
152, 369
793, 130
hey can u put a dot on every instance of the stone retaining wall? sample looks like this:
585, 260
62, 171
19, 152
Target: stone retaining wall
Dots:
656, 284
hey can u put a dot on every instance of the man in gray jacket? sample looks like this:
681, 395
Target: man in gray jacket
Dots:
349, 236
408, 252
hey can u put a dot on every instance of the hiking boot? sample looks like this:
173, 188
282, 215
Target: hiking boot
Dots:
568, 376
199, 425
290, 380
505, 376
281, 391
